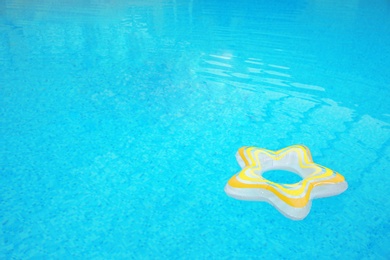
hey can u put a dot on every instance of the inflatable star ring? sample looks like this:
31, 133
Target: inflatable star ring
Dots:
292, 200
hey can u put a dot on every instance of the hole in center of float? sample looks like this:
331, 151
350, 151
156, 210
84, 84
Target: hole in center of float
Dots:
281, 176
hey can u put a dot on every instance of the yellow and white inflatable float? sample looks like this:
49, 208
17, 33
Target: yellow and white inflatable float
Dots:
292, 200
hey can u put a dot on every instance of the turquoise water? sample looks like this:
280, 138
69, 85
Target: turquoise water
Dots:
281, 176
120, 121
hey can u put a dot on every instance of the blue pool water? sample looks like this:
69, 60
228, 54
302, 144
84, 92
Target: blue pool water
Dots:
120, 120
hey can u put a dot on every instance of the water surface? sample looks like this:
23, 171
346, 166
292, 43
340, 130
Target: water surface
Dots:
120, 120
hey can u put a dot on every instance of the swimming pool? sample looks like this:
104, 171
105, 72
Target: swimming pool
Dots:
120, 121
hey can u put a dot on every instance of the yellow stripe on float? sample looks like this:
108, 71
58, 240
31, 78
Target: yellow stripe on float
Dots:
294, 202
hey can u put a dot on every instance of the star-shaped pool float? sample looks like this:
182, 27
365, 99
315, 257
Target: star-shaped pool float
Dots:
292, 200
